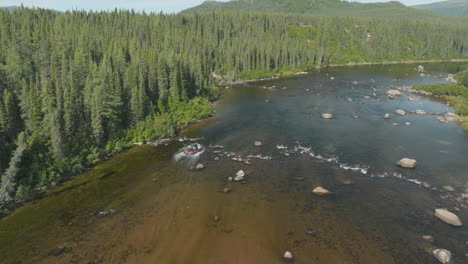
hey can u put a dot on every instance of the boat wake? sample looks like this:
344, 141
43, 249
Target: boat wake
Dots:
189, 156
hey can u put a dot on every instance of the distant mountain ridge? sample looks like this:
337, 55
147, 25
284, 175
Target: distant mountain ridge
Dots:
11, 8
448, 8
325, 7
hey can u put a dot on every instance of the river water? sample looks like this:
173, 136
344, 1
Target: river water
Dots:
156, 211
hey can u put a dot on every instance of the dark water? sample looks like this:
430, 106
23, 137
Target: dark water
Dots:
293, 114
377, 212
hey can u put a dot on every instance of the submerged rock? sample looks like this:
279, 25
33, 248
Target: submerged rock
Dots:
442, 255
400, 112
420, 112
448, 217
327, 116
320, 191
387, 116
428, 238
226, 190
349, 99
407, 163
200, 166
240, 176
448, 188
258, 143
426, 185
288, 256
62, 249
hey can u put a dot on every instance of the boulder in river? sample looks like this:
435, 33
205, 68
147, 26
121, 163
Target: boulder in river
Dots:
400, 112
420, 112
387, 116
320, 191
327, 116
288, 256
407, 163
258, 143
394, 93
420, 68
442, 255
349, 99
240, 176
448, 217
200, 166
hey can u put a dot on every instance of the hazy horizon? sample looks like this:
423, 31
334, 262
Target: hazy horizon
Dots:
139, 5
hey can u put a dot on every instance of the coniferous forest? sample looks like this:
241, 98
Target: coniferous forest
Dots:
80, 86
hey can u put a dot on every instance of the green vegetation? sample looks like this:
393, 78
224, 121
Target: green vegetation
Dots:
448, 8
456, 94
78, 87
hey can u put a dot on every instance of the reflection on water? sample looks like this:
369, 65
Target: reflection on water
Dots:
159, 212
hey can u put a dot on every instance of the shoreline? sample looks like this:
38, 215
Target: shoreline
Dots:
9, 207
309, 70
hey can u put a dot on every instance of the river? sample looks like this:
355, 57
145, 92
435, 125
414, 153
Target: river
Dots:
142, 207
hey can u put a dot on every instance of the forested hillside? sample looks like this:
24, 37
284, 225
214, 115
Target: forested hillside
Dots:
322, 7
448, 8
77, 87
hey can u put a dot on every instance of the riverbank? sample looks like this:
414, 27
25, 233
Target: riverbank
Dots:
456, 94
350, 64
153, 128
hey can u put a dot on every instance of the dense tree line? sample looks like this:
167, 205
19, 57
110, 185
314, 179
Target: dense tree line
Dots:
78, 86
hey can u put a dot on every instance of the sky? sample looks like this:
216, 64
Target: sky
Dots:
168, 6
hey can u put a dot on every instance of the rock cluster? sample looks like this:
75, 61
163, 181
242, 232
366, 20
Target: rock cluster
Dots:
393, 93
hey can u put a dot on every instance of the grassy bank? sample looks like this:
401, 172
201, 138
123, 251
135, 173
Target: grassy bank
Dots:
455, 93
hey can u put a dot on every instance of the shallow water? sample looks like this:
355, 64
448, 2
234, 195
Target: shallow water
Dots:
159, 212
